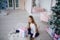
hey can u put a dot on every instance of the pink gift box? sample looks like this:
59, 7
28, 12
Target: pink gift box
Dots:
54, 39
57, 36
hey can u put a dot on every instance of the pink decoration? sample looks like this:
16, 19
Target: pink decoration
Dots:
38, 9
54, 38
44, 17
57, 36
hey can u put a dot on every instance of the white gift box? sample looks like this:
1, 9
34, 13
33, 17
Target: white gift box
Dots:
23, 31
58, 38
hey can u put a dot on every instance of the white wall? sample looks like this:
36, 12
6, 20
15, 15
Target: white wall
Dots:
28, 6
53, 3
46, 4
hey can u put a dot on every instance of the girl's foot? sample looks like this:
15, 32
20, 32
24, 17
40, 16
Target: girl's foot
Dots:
31, 38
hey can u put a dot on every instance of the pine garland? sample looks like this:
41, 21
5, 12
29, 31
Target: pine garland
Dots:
56, 17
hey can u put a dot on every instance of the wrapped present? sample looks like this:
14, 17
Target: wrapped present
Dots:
56, 37
50, 31
23, 32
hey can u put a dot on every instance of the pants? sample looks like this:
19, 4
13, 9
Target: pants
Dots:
31, 34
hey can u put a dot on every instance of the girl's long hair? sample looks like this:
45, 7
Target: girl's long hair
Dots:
33, 21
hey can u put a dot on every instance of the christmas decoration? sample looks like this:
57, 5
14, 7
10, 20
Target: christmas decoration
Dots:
55, 20
3, 4
56, 17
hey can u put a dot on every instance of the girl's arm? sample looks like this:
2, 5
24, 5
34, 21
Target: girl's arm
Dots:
34, 32
34, 29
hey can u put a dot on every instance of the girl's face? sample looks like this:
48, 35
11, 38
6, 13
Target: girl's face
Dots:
29, 20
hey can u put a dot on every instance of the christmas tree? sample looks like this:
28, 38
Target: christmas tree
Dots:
56, 17
3, 4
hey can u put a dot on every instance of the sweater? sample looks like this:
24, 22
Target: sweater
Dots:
33, 29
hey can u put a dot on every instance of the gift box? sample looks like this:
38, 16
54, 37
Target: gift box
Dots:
50, 31
56, 37
23, 32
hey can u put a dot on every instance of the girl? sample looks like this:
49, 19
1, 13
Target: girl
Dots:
32, 28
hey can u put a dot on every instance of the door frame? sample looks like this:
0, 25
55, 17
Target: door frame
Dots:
13, 4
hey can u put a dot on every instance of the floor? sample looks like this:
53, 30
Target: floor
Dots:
7, 23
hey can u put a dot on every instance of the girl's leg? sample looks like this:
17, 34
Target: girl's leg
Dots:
31, 38
29, 32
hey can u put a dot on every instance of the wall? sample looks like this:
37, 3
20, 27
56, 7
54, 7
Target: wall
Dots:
53, 3
28, 6
22, 4
46, 4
